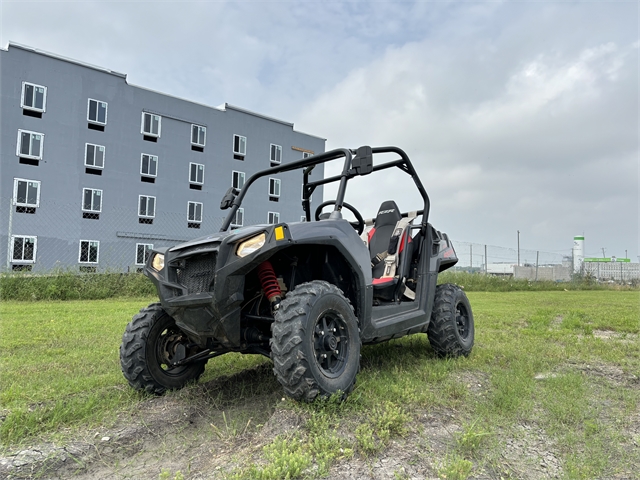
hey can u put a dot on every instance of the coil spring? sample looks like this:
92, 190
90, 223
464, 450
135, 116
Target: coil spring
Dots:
268, 280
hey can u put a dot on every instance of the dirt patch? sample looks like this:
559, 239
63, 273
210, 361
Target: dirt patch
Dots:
610, 373
181, 431
417, 455
206, 431
622, 337
529, 454
557, 321
476, 382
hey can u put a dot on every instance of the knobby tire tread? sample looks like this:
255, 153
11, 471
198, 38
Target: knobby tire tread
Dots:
442, 329
291, 366
133, 352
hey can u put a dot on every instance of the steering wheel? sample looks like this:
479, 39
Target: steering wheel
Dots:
358, 226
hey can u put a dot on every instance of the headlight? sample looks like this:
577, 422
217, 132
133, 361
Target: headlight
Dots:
158, 262
252, 245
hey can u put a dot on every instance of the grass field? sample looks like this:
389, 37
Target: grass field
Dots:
563, 363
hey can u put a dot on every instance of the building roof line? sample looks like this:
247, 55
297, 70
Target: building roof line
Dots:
223, 107
228, 106
66, 59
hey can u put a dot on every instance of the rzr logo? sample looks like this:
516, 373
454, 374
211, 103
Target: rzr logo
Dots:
382, 212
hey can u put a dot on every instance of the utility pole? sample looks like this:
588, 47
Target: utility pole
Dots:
471, 256
486, 260
603, 255
518, 247
10, 231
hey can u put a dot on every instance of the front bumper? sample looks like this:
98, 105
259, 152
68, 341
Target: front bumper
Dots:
202, 285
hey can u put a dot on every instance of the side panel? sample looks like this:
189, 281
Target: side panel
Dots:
341, 235
396, 320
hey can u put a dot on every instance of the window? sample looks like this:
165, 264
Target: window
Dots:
91, 200
89, 250
194, 214
239, 146
147, 206
30, 144
274, 189
238, 220
276, 154
97, 112
198, 135
94, 155
237, 179
26, 193
150, 125
273, 217
306, 154
196, 173
24, 249
142, 252
149, 165
34, 97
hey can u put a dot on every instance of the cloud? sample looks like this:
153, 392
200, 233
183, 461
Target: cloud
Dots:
544, 140
517, 115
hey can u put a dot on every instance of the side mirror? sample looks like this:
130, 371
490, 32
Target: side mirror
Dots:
363, 162
229, 197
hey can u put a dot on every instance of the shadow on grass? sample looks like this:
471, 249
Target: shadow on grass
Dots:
407, 351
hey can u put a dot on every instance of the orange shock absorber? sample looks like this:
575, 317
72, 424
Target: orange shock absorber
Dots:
269, 282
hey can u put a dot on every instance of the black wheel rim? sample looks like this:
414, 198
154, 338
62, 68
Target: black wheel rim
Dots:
170, 341
462, 321
331, 343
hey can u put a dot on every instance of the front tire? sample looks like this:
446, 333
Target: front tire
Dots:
315, 343
149, 345
451, 329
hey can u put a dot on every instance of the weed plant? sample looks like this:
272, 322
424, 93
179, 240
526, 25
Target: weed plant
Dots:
65, 285
477, 282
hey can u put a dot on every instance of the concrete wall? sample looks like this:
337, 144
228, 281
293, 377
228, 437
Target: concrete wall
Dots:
58, 221
555, 273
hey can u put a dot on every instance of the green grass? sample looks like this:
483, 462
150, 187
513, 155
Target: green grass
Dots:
558, 362
60, 366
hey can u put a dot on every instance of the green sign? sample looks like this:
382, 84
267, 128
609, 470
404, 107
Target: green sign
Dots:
607, 260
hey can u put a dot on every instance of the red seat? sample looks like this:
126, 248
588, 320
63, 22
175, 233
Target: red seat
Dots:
379, 239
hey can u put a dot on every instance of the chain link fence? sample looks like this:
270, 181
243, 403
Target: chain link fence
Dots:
88, 237
477, 257
43, 238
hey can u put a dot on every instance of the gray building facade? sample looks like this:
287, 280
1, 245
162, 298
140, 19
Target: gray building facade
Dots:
94, 171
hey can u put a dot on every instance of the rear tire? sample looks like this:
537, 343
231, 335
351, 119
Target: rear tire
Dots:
315, 343
148, 346
451, 329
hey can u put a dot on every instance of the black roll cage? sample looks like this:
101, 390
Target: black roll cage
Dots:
357, 162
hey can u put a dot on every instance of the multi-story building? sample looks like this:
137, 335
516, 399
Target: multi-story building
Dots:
95, 171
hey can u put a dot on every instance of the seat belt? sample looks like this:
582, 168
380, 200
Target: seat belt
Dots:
369, 222
391, 256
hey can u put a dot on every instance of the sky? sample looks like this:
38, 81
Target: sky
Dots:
518, 116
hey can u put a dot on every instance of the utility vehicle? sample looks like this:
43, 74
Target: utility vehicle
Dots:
305, 294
